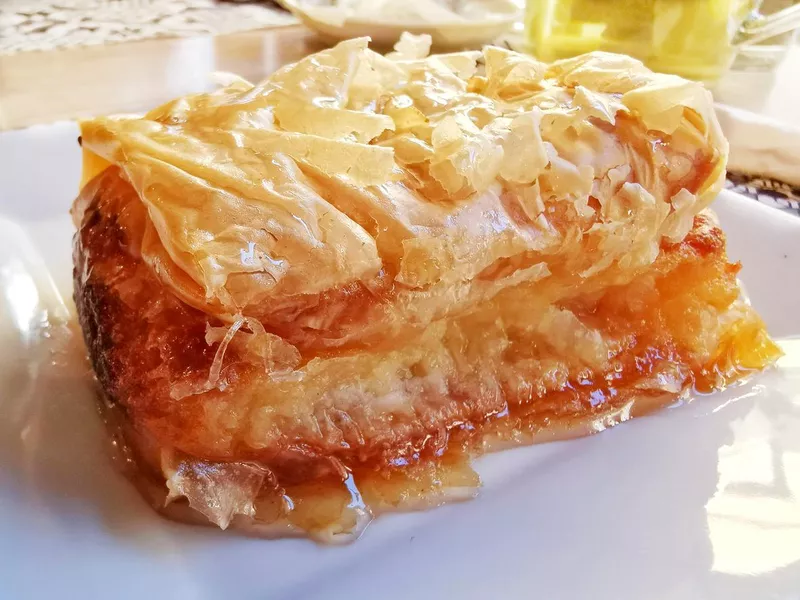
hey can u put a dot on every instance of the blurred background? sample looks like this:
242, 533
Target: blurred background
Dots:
63, 59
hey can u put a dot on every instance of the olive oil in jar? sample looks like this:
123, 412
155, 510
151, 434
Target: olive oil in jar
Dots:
692, 38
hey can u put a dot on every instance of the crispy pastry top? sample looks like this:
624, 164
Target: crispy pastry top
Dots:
362, 256
350, 195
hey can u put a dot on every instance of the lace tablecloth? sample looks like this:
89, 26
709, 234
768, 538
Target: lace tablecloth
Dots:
47, 24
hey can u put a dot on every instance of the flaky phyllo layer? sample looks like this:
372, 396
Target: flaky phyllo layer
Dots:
365, 263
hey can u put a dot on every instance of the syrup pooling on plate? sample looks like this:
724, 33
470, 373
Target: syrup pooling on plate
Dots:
335, 508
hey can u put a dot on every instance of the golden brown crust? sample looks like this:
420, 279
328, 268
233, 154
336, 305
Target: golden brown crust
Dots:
370, 269
139, 336
143, 342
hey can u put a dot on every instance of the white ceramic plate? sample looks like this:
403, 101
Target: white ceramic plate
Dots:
460, 34
697, 502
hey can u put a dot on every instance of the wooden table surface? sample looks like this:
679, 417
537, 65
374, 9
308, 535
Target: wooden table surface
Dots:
43, 87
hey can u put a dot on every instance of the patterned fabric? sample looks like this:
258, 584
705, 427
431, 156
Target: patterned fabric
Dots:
767, 191
48, 24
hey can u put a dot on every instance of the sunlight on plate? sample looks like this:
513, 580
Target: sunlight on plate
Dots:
754, 517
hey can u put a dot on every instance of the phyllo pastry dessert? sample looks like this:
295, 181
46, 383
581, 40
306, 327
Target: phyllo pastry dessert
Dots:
315, 299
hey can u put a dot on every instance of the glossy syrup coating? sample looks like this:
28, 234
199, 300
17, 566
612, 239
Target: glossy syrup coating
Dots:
332, 288
297, 200
486, 382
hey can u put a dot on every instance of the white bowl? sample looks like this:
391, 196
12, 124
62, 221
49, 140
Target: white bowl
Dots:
456, 34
